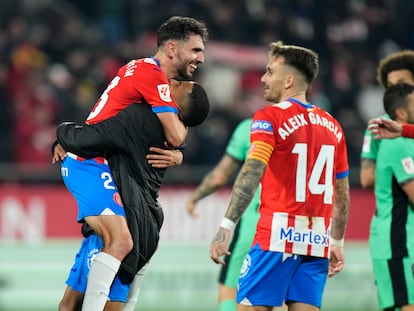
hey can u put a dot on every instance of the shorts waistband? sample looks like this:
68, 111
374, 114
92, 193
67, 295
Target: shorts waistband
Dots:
101, 160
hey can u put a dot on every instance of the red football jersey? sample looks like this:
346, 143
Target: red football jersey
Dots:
138, 81
309, 153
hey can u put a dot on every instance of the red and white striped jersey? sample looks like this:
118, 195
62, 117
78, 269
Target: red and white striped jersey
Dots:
309, 154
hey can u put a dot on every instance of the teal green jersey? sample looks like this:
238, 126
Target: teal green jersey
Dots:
392, 227
237, 148
370, 145
239, 143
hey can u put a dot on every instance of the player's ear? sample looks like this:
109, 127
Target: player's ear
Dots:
401, 114
170, 48
289, 81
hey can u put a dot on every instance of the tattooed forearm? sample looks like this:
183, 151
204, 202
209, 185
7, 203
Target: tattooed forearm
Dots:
340, 209
217, 178
244, 188
206, 188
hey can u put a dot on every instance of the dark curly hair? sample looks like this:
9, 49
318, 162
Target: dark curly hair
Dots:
395, 61
181, 28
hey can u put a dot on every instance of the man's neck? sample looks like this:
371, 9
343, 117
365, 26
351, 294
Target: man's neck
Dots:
299, 96
166, 65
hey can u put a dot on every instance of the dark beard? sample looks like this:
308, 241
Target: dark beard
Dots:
183, 73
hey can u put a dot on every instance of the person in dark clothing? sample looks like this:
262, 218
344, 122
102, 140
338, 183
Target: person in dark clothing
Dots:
124, 140
180, 49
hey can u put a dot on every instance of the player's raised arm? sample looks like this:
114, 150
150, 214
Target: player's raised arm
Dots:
385, 128
174, 129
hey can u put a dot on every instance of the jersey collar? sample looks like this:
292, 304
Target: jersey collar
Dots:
157, 61
294, 100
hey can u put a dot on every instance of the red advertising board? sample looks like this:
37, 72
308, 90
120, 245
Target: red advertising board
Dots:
43, 212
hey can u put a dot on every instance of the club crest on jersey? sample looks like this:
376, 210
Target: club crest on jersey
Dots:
245, 266
164, 92
262, 126
91, 256
408, 165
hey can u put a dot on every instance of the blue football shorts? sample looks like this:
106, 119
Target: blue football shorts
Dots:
78, 275
92, 186
271, 278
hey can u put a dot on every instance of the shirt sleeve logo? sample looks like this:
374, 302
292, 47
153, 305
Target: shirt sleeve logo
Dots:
408, 165
164, 92
262, 126
366, 147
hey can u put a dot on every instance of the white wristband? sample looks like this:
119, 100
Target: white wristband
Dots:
227, 224
339, 243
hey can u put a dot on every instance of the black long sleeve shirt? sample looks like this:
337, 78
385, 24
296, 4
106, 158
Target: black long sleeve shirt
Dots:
125, 140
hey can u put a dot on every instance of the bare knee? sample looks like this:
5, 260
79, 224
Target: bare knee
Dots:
125, 244
119, 246
115, 234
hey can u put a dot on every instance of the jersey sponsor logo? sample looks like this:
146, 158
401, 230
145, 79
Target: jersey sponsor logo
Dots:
299, 234
308, 237
262, 126
247, 261
408, 165
164, 92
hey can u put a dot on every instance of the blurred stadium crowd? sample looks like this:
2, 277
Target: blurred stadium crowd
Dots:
57, 57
